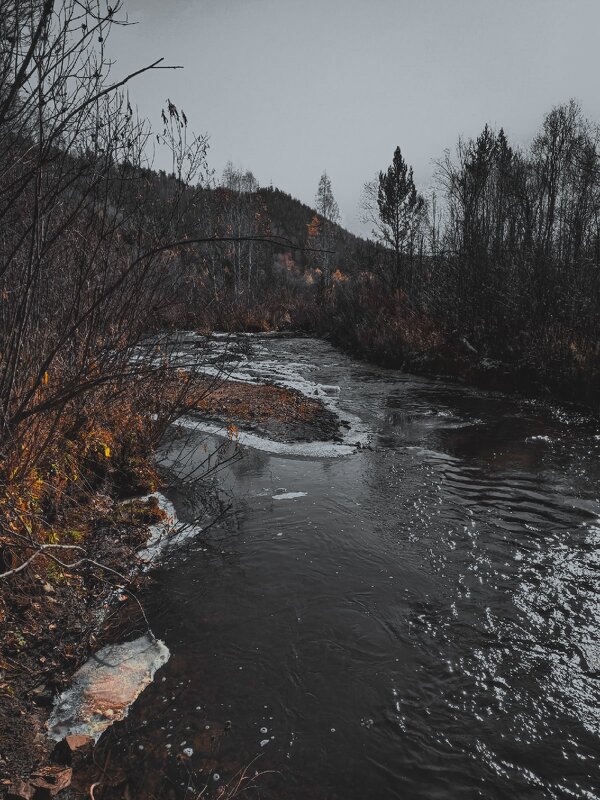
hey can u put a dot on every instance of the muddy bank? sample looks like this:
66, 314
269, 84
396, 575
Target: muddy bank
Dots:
51, 623
280, 413
52, 619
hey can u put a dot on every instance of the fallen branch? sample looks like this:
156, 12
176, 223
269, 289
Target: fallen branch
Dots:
41, 549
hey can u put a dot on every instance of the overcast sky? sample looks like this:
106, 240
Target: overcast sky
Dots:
288, 88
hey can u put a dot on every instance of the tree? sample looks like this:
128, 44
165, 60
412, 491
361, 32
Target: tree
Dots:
393, 206
324, 227
241, 213
326, 206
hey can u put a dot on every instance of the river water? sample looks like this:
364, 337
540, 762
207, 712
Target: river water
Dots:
419, 618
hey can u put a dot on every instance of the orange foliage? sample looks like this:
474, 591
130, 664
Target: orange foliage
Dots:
314, 226
339, 277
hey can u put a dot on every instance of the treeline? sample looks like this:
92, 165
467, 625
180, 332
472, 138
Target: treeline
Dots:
495, 275
503, 265
519, 254
252, 252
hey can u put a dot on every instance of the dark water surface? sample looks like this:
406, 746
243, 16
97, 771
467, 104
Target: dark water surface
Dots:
423, 623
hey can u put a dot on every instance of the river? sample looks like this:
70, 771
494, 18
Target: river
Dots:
418, 618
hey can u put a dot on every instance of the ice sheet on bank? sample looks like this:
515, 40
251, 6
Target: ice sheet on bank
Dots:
223, 357
166, 536
304, 449
104, 688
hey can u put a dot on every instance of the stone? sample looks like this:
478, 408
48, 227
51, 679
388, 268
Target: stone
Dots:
69, 746
52, 779
75, 742
20, 790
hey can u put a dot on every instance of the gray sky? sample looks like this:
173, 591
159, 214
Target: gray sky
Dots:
288, 88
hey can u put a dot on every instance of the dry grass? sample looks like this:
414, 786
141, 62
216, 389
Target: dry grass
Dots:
241, 402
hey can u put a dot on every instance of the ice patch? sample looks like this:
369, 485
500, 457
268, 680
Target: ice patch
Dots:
167, 536
288, 495
224, 357
301, 449
330, 391
427, 453
104, 688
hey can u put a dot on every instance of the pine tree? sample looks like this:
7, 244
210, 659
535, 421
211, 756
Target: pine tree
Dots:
399, 206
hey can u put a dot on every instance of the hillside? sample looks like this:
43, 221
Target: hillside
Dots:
290, 218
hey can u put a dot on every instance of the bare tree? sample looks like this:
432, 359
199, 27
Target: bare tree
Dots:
86, 257
323, 228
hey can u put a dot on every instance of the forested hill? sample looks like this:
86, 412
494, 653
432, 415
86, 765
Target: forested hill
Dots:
290, 218
239, 207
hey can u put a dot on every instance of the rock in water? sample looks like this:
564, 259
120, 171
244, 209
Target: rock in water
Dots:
105, 686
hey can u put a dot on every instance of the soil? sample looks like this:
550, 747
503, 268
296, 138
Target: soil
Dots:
52, 621
278, 412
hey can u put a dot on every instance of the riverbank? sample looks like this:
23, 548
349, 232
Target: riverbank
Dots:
427, 353
278, 412
460, 363
53, 617
67, 603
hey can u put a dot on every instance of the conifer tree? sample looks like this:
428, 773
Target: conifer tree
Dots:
399, 206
